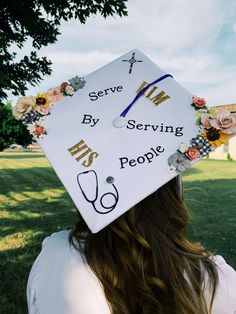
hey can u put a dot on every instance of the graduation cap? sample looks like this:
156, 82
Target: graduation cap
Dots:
120, 133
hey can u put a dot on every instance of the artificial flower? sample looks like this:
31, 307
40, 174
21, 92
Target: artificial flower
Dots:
69, 90
183, 147
213, 112
179, 161
172, 169
215, 137
206, 121
42, 100
37, 128
198, 103
77, 82
224, 121
43, 110
54, 94
31, 128
40, 130
192, 153
23, 106
63, 85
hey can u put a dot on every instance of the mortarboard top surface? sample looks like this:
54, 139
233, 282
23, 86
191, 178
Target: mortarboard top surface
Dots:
108, 166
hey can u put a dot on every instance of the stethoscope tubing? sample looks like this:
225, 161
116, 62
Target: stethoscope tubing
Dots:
93, 201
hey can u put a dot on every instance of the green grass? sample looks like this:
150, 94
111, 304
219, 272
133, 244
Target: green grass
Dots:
34, 204
210, 189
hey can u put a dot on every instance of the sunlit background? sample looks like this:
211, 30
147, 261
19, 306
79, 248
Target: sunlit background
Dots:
195, 41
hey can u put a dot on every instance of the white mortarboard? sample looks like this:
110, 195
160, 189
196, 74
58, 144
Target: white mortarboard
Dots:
127, 129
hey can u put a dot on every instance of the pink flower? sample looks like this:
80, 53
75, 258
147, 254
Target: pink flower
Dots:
225, 122
192, 153
63, 85
54, 94
44, 110
206, 122
39, 130
199, 102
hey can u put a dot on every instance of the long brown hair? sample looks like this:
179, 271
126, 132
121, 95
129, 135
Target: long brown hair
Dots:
144, 260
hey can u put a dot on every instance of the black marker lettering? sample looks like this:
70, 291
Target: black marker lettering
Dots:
93, 95
87, 119
119, 88
154, 127
160, 149
131, 123
113, 89
123, 160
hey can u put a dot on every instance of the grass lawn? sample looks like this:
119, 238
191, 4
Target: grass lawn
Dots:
34, 204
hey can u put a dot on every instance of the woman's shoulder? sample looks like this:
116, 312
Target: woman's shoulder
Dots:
61, 236
58, 248
72, 284
224, 269
225, 299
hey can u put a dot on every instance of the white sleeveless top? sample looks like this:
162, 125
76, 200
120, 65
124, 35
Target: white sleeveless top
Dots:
60, 282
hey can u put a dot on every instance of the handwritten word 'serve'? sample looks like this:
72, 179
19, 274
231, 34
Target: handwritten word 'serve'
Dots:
111, 90
81, 150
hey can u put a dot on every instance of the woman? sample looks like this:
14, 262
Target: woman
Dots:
140, 263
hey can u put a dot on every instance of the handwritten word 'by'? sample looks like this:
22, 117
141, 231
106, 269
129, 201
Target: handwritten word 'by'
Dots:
88, 119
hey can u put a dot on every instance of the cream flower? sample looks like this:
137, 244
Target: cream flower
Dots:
183, 147
54, 94
23, 106
69, 90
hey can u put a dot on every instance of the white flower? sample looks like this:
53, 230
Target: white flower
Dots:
23, 106
179, 161
31, 128
69, 90
183, 147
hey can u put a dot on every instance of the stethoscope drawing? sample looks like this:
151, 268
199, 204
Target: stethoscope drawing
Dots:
93, 175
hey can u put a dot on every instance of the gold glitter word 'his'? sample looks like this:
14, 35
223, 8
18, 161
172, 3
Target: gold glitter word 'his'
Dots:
80, 151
